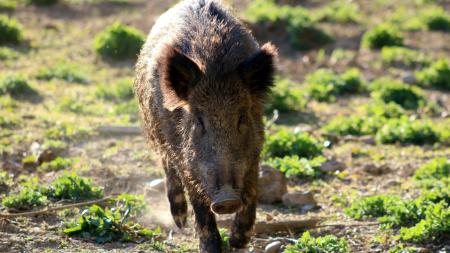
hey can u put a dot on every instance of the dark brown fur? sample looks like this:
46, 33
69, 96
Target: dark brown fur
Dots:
201, 83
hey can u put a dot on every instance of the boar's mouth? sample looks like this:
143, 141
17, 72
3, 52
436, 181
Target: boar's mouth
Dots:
226, 201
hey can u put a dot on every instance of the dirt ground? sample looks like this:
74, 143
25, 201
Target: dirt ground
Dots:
124, 163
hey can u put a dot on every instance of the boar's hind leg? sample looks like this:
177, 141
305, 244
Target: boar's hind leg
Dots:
242, 228
175, 193
206, 227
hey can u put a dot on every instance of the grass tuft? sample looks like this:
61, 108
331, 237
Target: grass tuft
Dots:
328, 243
119, 42
381, 36
287, 143
10, 30
437, 75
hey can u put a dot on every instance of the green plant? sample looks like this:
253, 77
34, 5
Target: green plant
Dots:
381, 36
299, 167
10, 30
71, 186
7, 53
107, 225
285, 98
225, 238
134, 203
405, 131
340, 12
8, 5
296, 21
323, 244
71, 104
436, 19
57, 164
353, 125
16, 85
436, 169
66, 131
129, 107
6, 181
404, 57
41, 2
7, 122
26, 199
119, 42
384, 110
433, 228
325, 85
402, 249
387, 90
288, 143
121, 90
437, 75
64, 71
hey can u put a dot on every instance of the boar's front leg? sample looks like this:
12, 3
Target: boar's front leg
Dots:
210, 241
242, 228
175, 194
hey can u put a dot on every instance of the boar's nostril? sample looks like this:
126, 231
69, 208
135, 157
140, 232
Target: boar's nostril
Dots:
226, 206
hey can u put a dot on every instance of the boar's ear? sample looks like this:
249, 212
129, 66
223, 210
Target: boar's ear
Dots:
179, 75
258, 70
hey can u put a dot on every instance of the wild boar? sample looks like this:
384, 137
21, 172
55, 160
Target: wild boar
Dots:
201, 82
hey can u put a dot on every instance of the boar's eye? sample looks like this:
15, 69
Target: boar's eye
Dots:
241, 122
201, 123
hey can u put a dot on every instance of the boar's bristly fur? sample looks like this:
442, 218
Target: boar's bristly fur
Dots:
201, 83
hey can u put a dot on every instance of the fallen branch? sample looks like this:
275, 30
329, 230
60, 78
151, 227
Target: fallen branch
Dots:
52, 209
351, 225
277, 226
119, 130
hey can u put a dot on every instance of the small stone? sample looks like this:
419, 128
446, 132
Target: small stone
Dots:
271, 185
376, 170
273, 247
332, 166
409, 78
299, 199
269, 217
157, 184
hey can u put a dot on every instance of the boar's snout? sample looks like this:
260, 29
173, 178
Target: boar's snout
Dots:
226, 201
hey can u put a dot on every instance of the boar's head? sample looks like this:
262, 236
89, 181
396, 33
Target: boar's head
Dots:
221, 126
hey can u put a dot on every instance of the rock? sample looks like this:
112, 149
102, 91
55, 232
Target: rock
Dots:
271, 185
303, 200
332, 166
273, 247
376, 170
156, 185
409, 78
44, 154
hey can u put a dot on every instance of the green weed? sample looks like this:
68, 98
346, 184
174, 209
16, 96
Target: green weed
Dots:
63, 71
129, 107
284, 97
71, 104
26, 199
6, 181
436, 19
8, 54
436, 169
402, 249
107, 225
119, 42
72, 187
134, 203
66, 131
120, 91
16, 86
41, 2
437, 75
381, 36
225, 238
7, 122
287, 143
8, 5
404, 57
384, 110
405, 131
293, 166
339, 12
326, 244
387, 90
434, 227
10, 30
56, 165
303, 34
324, 85
353, 125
